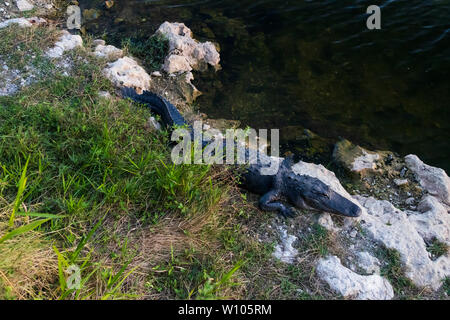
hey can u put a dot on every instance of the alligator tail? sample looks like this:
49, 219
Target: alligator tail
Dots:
169, 114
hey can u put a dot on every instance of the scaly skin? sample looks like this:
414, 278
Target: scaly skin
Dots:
299, 191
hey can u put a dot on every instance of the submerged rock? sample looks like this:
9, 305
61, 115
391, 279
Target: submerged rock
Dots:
186, 53
352, 285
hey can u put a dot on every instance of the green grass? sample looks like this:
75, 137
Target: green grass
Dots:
22, 47
394, 271
437, 248
94, 164
152, 51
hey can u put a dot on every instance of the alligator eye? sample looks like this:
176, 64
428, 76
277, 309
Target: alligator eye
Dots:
322, 193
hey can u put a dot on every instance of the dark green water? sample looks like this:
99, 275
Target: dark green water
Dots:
314, 64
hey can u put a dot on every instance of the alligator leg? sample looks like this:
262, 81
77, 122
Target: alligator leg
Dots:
268, 203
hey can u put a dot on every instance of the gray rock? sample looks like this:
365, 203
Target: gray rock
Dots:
284, 251
22, 22
355, 158
432, 220
368, 263
126, 72
352, 285
186, 53
110, 53
401, 182
391, 227
24, 5
432, 179
65, 43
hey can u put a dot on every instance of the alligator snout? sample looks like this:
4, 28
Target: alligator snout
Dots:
323, 198
337, 204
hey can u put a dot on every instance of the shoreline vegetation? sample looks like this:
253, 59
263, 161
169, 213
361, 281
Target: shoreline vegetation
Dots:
87, 181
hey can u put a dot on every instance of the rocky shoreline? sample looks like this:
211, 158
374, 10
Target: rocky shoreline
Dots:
405, 203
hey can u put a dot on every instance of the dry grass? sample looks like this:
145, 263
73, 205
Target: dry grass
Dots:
28, 265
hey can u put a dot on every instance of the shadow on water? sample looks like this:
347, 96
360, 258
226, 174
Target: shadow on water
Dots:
294, 64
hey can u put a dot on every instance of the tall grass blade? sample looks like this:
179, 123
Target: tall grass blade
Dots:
22, 229
18, 201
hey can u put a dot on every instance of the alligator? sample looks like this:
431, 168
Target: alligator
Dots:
282, 192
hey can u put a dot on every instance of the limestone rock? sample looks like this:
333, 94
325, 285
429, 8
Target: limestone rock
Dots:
352, 285
65, 43
326, 221
104, 94
108, 52
391, 227
186, 53
285, 251
126, 72
97, 42
175, 63
24, 5
432, 221
23, 22
432, 179
368, 263
401, 182
354, 158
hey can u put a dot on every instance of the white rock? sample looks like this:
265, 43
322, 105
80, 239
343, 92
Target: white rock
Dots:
365, 161
24, 5
65, 43
126, 72
97, 42
352, 285
392, 227
156, 74
154, 124
175, 63
401, 182
108, 52
432, 179
368, 263
104, 94
22, 22
432, 220
196, 55
326, 221
285, 251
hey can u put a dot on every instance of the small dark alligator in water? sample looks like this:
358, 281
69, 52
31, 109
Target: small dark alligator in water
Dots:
300, 191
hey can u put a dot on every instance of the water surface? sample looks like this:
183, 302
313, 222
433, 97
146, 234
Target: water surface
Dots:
314, 64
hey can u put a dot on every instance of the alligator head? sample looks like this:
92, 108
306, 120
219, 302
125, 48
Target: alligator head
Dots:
319, 196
